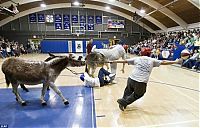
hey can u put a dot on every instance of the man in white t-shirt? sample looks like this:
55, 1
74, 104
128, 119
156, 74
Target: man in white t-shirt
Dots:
137, 81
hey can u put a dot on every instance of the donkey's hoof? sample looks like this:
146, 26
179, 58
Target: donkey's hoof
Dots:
44, 104
25, 89
66, 102
24, 104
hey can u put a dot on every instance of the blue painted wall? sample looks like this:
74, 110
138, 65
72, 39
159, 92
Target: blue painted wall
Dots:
100, 43
54, 46
60, 46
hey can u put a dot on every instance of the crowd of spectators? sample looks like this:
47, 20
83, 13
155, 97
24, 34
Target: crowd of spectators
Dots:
162, 46
13, 48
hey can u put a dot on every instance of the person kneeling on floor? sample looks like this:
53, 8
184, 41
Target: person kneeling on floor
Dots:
104, 78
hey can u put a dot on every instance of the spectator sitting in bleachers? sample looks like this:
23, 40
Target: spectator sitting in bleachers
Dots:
189, 63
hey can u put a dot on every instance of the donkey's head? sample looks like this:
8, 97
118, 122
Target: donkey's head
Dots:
95, 59
64, 60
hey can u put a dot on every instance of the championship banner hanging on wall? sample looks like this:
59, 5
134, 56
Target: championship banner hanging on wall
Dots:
90, 19
66, 18
58, 26
79, 46
98, 19
90, 27
74, 18
82, 19
41, 18
58, 18
66, 26
66, 22
32, 18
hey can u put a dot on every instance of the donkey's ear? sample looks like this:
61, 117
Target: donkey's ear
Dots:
50, 54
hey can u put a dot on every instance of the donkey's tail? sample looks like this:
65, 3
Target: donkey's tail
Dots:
7, 81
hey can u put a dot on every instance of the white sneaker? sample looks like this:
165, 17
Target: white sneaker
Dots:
114, 82
112, 75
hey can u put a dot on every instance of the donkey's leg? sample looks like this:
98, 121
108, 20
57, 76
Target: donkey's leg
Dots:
24, 88
89, 70
52, 85
18, 97
44, 88
107, 66
93, 70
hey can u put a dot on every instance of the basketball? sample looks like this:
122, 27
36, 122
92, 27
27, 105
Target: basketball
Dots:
185, 54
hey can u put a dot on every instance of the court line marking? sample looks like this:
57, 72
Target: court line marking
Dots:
182, 122
92, 99
173, 89
191, 98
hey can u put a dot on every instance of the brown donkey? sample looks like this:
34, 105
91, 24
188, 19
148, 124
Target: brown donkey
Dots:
19, 71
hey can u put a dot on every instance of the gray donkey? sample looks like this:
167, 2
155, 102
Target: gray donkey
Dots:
94, 60
19, 71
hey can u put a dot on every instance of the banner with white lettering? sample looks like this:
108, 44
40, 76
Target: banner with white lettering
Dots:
66, 22
74, 18
32, 18
41, 18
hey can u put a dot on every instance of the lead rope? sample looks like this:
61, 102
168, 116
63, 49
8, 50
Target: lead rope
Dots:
74, 72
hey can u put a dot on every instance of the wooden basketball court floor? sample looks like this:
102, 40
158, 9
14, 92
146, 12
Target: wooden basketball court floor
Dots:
165, 104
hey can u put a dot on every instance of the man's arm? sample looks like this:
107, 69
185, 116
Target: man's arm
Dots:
119, 61
166, 62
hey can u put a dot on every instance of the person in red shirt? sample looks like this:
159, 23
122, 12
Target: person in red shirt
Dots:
89, 46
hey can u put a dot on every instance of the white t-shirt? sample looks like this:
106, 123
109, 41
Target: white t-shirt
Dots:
115, 53
143, 67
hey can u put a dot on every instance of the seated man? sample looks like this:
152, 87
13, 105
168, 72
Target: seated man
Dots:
104, 78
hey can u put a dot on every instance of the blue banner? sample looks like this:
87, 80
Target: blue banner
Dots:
66, 26
41, 18
84, 25
90, 19
74, 18
58, 18
98, 19
90, 27
82, 19
66, 18
32, 18
58, 26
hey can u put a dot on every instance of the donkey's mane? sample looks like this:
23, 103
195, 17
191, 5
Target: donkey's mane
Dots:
56, 60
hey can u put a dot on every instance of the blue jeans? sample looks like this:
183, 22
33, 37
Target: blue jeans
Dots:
101, 76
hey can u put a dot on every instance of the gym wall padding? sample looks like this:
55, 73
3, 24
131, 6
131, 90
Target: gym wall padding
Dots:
100, 43
54, 46
62, 46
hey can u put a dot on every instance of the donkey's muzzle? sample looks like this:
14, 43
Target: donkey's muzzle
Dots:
82, 63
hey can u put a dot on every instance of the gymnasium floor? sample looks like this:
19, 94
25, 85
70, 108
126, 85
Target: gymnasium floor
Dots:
165, 104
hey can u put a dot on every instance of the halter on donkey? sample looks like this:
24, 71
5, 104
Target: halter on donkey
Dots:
18, 71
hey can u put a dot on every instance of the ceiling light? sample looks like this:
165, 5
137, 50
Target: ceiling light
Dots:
111, 0
76, 3
107, 7
129, 4
142, 11
43, 5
